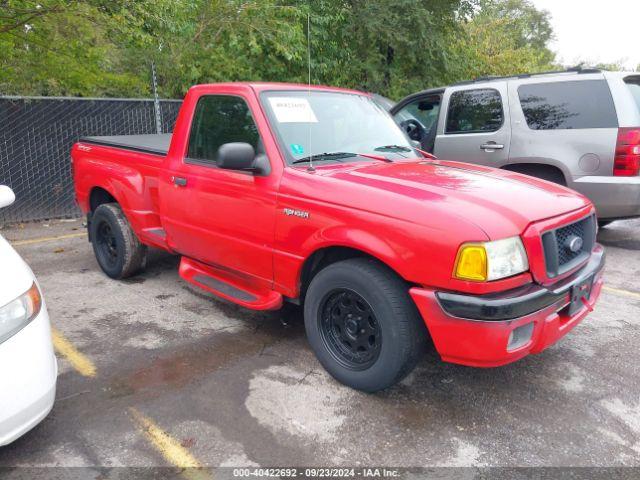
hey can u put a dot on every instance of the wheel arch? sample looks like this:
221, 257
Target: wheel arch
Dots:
529, 167
98, 196
326, 255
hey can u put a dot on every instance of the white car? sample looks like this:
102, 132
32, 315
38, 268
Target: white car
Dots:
28, 367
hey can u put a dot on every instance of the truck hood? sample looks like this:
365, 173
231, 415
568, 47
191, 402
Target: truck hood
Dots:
499, 202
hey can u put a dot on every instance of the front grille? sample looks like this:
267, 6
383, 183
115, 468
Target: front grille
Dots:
564, 235
568, 246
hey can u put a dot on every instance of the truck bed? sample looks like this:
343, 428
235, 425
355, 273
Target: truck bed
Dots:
156, 144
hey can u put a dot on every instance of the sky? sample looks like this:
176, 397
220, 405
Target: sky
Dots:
595, 31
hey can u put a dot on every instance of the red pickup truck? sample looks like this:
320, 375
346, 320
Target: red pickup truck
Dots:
312, 195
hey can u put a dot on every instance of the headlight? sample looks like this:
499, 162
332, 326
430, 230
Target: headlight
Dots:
488, 261
15, 315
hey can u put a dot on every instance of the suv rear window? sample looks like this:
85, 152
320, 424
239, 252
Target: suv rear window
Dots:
475, 111
634, 86
568, 105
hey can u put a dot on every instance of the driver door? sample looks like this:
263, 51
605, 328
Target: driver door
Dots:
223, 218
419, 120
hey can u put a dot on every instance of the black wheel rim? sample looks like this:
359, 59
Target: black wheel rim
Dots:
349, 329
107, 244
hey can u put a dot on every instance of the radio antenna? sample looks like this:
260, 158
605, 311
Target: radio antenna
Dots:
310, 169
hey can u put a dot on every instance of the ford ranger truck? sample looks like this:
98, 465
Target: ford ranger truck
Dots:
275, 193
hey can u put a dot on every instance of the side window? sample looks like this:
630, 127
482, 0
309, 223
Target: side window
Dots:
218, 120
568, 105
419, 119
475, 111
425, 111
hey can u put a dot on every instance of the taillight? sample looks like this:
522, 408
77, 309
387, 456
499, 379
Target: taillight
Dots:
627, 161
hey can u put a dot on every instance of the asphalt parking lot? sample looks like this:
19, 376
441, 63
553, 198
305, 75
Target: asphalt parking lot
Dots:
156, 373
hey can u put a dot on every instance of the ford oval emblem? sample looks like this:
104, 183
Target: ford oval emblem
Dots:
574, 244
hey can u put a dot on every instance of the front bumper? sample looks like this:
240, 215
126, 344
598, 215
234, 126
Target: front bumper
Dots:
28, 379
613, 197
479, 330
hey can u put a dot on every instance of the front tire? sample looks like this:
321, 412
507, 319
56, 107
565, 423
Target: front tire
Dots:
362, 324
115, 245
604, 223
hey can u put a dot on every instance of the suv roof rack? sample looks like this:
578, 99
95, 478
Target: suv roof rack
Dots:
578, 69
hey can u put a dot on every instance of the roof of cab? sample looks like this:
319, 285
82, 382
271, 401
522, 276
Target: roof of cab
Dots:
270, 86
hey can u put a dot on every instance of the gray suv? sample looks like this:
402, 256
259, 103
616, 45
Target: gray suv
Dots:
579, 128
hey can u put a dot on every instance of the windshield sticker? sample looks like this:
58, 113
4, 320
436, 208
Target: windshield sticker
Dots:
292, 110
297, 149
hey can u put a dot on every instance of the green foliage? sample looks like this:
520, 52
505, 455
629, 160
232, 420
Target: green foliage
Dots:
387, 46
393, 47
503, 37
612, 67
61, 48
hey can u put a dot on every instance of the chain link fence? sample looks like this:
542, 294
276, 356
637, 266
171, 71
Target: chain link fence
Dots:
36, 135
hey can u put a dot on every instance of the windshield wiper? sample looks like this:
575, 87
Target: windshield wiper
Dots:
392, 148
382, 158
319, 157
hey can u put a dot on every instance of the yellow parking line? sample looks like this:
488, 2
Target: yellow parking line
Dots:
620, 291
48, 239
170, 448
80, 362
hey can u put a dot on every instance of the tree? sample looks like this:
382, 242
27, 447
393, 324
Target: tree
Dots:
502, 37
618, 66
57, 47
392, 47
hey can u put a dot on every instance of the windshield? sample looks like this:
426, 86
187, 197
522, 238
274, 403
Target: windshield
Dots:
333, 127
634, 85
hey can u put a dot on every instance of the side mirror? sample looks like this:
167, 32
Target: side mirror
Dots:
425, 106
236, 156
7, 197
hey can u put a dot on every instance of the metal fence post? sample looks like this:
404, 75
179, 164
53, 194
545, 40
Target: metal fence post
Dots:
156, 101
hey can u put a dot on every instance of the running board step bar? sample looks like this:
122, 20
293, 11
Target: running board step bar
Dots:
228, 286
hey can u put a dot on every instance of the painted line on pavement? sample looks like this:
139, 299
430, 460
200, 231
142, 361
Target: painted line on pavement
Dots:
32, 241
80, 362
170, 448
621, 291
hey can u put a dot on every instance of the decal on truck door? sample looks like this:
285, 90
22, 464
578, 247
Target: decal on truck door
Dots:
296, 213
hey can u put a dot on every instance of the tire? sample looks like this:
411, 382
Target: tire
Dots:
116, 247
604, 223
363, 288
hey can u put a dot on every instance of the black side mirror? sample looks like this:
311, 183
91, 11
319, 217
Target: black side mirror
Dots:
236, 156
425, 106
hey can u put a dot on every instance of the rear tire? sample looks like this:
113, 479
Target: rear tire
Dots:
115, 245
362, 324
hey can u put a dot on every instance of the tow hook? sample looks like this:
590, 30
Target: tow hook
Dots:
586, 304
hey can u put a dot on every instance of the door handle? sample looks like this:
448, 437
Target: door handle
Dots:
491, 146
179, 181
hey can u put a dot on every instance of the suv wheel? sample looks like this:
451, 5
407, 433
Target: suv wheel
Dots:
117, 249
362, 324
